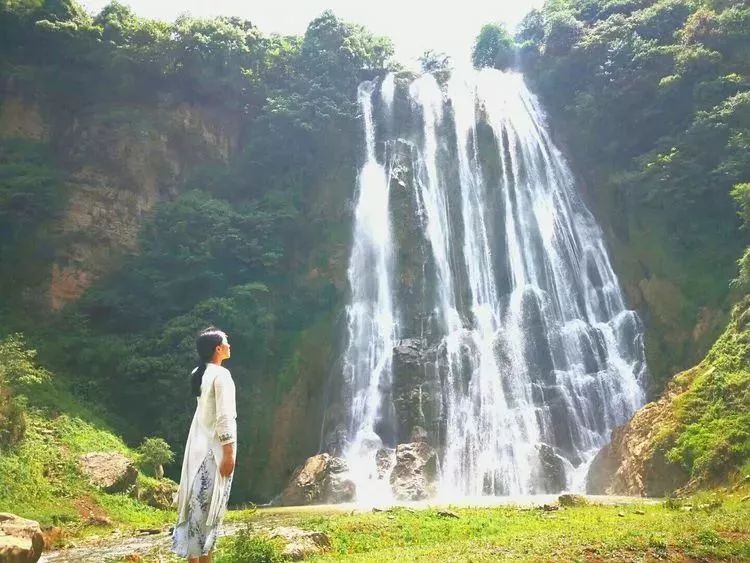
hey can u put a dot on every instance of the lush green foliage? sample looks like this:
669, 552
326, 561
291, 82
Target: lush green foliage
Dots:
248, 546
12, 419
712, 439
39, 475
155, 452
30, 197
494, 47
18, 373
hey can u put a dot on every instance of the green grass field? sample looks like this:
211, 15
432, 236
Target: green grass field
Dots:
707, 527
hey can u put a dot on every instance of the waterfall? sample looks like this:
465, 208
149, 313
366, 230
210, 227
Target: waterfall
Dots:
536, 355
370, 315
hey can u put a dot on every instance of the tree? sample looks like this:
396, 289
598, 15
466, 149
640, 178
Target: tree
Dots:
494, 47
18, 371
156, 453
531, 28
561, 31
435, 61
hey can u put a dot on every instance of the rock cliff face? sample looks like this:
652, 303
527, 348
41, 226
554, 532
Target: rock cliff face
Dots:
634, 463
695, 434
119, 163
120, 171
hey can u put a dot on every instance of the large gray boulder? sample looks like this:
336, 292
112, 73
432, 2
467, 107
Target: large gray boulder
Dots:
413, 476
322, 479
21, 540
112, 472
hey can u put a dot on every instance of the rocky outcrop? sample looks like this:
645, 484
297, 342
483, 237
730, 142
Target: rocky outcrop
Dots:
635, 462
550, 473
416, 391
322, 479
385, 459
111, 472
121, 167
413, 476
300, 544
412, 282
21, 118
21, 540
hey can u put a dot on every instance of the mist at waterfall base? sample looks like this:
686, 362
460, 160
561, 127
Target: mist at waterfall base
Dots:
532, 350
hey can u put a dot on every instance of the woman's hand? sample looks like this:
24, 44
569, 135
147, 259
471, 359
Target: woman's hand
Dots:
227, 460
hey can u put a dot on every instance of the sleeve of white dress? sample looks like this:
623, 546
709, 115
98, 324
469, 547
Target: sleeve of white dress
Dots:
226, 409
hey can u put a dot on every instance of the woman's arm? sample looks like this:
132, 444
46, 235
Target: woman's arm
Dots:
226, 421
227, 460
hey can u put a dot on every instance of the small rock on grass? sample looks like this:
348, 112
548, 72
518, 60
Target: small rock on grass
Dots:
745, 499
98, 520
621, 514
640, 512
568, 500
447, 514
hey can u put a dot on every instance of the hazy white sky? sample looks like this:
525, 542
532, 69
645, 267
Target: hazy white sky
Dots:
414, 25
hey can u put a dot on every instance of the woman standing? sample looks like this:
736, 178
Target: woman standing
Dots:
209, 454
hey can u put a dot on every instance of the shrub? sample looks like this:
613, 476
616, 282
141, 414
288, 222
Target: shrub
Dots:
155, 452
12, 419
247, 546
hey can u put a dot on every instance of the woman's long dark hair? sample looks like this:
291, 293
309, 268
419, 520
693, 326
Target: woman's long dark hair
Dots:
205, 344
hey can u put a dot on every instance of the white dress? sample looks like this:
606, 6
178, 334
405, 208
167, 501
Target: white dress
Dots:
203, 493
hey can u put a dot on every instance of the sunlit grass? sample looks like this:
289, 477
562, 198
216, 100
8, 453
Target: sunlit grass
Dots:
709, 525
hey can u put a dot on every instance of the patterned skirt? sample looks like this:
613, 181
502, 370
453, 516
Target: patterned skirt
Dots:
193, 537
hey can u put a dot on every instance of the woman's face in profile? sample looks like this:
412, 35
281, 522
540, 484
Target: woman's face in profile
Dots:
224, 349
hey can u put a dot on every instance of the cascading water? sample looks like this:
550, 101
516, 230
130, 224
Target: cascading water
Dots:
537, 357
371, 319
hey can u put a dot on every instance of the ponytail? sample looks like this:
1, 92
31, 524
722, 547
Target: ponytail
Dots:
205, 344
196, 379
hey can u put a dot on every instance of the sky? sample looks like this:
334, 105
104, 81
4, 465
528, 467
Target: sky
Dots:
413, 25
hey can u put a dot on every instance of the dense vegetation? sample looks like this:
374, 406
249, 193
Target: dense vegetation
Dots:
652, 100
231, 249
39, 475
710, 437
708, 430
